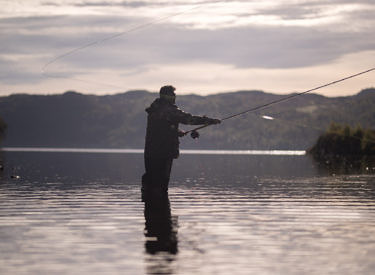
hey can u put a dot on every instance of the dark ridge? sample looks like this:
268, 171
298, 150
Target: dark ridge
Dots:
73, 119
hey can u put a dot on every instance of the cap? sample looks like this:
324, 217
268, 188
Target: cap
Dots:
167, 90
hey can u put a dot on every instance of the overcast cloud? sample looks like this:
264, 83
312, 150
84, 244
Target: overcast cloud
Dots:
203, 46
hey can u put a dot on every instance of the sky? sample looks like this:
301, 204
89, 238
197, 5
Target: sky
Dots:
199, 46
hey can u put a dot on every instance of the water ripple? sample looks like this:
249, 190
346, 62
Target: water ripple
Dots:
238, 224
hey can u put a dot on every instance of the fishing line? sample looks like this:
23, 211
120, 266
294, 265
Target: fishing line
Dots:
156, 21
267, 105
99, 41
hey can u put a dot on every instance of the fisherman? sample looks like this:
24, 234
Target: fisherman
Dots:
162, 144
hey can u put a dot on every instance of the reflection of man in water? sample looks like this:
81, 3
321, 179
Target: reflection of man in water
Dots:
162, 144
161, 235
161, 227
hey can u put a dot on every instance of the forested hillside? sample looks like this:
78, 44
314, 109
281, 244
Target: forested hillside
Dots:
2, 128
119, 121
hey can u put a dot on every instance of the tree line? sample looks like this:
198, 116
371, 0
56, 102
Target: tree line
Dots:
343, 140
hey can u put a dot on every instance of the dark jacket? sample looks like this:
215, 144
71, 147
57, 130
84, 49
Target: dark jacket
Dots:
162, 128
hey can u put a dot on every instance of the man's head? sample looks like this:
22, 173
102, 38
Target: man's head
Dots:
167, 93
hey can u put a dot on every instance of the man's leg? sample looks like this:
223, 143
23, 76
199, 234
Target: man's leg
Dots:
147, 176
157, 174
166, 173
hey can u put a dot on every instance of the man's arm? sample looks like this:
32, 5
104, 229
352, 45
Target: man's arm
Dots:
186, 118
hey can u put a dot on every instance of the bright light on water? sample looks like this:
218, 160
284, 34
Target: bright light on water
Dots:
140, 151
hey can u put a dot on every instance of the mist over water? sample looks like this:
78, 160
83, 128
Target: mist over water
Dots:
69, 213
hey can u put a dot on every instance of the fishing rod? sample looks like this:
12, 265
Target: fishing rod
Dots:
194, 134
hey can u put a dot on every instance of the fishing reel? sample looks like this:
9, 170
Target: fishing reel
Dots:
194, 134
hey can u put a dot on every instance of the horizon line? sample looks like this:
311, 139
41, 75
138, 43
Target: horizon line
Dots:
182, 94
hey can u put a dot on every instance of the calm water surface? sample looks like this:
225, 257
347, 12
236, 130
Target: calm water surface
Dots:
82, 213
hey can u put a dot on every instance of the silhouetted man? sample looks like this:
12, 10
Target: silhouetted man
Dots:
162, 144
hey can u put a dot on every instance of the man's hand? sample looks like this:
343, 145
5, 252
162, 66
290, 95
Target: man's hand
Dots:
181, 133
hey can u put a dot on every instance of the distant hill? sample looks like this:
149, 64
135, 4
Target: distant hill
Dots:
3, 127
118, 121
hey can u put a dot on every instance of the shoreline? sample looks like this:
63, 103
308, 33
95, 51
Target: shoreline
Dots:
140, 151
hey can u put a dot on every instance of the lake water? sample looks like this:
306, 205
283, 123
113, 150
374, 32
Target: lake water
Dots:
78, 212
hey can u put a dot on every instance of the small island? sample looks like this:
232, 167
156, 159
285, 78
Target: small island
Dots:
343, 141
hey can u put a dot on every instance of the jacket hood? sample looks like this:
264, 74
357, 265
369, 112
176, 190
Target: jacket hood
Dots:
157, 104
